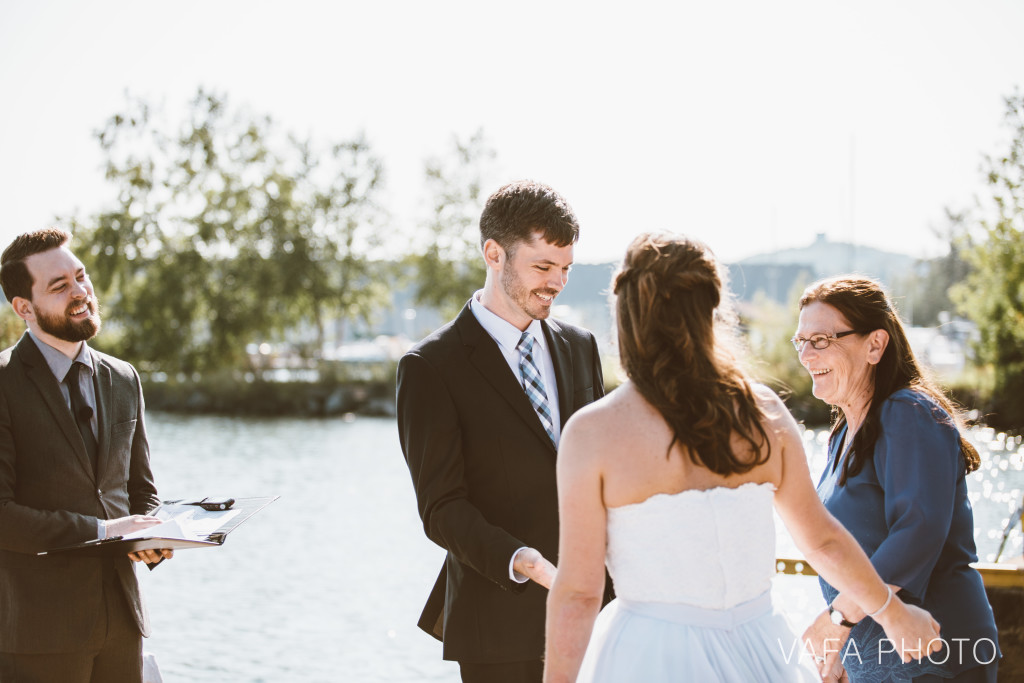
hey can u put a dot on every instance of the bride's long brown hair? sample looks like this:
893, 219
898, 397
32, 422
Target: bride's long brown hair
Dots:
674, 346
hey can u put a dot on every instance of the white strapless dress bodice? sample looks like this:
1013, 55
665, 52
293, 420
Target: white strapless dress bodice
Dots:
692, 574
712, 548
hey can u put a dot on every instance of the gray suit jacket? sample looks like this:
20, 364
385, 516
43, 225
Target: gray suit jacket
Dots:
50, 497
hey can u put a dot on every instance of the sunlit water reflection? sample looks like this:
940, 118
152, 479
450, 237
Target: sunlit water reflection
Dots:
326, 584
995, 492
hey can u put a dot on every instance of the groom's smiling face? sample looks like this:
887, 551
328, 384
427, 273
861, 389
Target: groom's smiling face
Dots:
533, 273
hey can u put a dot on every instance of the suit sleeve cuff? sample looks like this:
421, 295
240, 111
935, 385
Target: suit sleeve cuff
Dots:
512, 573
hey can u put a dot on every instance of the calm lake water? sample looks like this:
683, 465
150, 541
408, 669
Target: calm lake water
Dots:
326, 584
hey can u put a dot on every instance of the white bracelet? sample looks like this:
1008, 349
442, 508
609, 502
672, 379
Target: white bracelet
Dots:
888, 599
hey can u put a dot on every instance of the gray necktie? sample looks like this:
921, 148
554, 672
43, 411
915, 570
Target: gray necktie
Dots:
82, 412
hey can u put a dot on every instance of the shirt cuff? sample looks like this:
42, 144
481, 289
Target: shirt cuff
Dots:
101, 529
512, 573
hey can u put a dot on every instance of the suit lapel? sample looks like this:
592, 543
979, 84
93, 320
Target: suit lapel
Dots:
561, 358
485, 355
104, 393
41, 375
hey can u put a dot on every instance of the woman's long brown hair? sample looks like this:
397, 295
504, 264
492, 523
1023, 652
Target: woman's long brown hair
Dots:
670, 346
863, 303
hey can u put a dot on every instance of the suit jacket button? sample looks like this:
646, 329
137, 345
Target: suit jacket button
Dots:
99, 492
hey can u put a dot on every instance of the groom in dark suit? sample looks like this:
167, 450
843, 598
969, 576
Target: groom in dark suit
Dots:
481, 404
74, 466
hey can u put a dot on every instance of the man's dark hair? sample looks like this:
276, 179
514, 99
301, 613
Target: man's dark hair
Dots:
518, 210
14, 276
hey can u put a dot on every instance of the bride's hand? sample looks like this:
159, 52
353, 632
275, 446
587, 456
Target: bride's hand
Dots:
912, 632
531, 564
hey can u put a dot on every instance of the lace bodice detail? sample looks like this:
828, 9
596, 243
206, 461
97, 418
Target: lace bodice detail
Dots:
711, 548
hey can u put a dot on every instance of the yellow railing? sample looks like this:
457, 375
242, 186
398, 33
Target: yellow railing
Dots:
787, 565
995, 574
1001, 574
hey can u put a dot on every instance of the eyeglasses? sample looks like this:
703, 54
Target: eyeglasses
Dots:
820, 341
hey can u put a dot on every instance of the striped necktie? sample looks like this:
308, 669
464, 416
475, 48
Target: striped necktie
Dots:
533, 384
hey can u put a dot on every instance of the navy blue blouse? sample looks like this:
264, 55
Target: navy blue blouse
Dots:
908, 509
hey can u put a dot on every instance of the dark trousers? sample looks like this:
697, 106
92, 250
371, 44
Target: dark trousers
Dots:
113, 653
503, 672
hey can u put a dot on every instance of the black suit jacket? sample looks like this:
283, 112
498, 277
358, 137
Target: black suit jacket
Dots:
484, 472
51, 497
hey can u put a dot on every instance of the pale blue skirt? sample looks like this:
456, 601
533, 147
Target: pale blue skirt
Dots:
655, 642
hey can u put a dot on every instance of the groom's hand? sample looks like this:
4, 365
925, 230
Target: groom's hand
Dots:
531, 564
826, 641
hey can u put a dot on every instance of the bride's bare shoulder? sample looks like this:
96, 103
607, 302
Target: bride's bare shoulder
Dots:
607, 417
781, 428
769, 403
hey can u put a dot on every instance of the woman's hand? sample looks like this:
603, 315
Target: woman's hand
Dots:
912, 631
825, 641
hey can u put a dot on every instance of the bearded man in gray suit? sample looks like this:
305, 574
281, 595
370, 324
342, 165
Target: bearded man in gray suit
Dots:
74, 466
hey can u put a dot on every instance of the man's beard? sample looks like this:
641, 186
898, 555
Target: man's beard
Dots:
523, 297
65, 329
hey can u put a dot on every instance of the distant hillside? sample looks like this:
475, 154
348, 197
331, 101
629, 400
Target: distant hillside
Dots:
588, 281
776, 274
585, 302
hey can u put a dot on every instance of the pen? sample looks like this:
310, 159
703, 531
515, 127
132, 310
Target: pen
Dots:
96, 541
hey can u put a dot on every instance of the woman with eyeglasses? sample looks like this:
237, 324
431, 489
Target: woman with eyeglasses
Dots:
896, 479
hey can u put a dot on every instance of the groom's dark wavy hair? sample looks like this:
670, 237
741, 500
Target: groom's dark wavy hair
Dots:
674, 344
519, 209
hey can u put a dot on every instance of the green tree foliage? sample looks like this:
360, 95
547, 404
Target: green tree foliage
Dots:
11, 326
993, 293
926, 291
769, 326
449, 267
227, 232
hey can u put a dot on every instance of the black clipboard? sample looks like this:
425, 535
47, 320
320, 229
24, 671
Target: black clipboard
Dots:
240, 511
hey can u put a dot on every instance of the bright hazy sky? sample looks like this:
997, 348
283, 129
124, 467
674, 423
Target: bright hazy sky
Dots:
752, 125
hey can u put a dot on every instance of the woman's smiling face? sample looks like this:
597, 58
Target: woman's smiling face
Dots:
843, 373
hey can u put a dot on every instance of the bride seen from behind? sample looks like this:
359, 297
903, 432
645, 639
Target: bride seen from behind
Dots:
670, 479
